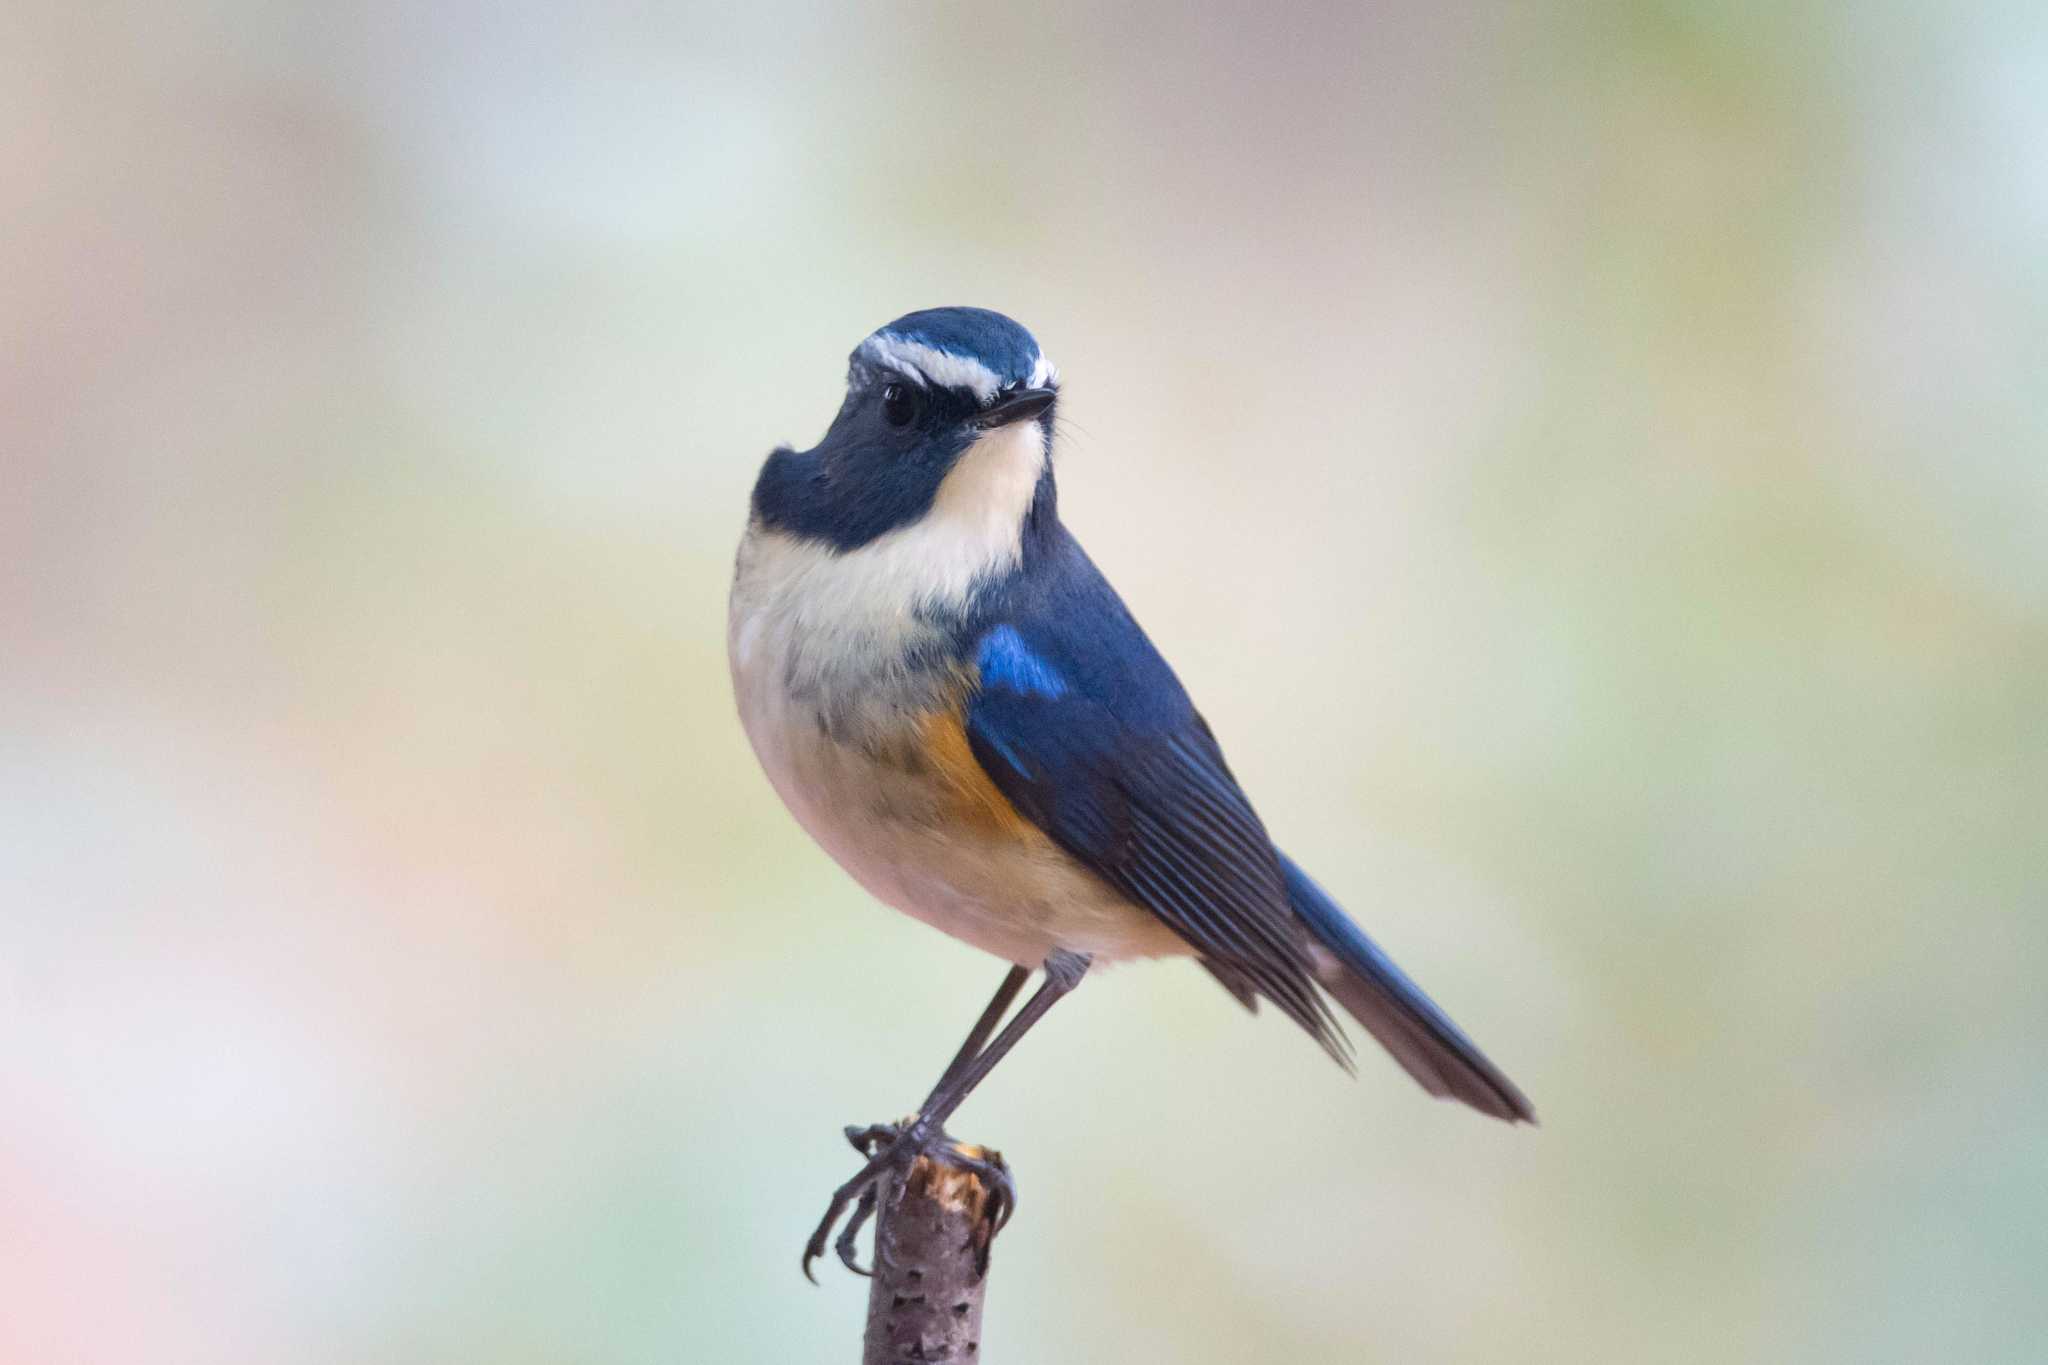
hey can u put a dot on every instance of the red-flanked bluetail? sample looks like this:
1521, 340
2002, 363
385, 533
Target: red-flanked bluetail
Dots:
951, 698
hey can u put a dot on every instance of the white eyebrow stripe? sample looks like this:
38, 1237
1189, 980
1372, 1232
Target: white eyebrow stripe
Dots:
923, 364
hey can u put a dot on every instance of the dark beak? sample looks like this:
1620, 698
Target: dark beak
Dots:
1017, 405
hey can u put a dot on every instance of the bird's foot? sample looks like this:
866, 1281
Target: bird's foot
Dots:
892, 1149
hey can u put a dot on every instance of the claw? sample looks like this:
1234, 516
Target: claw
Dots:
904, 1147
846, 1246
1001, 1200
841, 1197
893, 1148
1002, 1194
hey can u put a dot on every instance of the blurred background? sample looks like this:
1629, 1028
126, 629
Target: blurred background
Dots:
1589, 462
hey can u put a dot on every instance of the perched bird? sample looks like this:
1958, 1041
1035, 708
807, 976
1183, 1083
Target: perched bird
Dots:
954, 702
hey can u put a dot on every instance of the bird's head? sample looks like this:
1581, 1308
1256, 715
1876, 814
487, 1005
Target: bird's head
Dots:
947, 413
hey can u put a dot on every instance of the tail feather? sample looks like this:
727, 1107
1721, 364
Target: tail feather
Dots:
1379, 995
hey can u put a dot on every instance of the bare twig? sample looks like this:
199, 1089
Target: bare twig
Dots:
931, 1261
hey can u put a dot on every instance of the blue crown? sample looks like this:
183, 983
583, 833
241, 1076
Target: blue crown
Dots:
988, 339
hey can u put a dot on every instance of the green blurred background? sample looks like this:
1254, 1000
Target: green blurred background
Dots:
1589, 462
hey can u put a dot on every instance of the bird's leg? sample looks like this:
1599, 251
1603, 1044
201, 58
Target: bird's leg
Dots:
977, 1037
925, 1132
880, 1136
1063, 972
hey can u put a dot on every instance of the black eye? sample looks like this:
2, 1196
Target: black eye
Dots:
899, 404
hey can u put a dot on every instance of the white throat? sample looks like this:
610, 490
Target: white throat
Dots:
976, 522
833, 607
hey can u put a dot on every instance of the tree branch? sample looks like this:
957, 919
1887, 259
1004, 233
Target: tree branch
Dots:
931, 1261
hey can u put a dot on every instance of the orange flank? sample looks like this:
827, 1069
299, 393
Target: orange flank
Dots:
942, 738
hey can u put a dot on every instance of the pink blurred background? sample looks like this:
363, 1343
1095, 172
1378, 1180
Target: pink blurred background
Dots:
1588, 462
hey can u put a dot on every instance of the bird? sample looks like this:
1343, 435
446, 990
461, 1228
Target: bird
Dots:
956, 705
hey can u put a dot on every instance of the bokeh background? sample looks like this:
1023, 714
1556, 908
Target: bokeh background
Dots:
1590, 463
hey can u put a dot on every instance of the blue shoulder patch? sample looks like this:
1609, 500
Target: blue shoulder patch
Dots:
1006, 661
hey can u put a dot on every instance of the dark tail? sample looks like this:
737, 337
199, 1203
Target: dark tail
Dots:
1408, 1024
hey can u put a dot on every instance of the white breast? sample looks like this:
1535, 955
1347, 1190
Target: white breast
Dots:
819, 643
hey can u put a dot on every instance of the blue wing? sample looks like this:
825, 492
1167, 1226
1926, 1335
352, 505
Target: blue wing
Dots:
1081, 724
1083, 727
